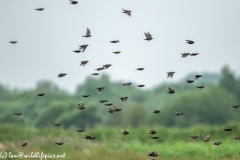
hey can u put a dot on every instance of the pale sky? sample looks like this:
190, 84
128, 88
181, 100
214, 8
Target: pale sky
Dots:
46, 39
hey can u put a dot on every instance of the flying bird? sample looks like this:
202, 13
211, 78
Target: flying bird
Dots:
57, 124
178, 113
235, 106
170, 74
127, 84
103, 101
148, 36
59, 143
200, 87
170, 90
189, 81
77, 51
156, 111
115, 41
13, 42
108, 104
190, 41
83, 63
41, 94
122, 99
100, 69
227, 129
86, 95
128, 12
106, 66
184, 55
140, 69
88, 137
125, 132
236, 139
73, 1
39, 9
193, 137
23, 144
60, 75
116, 109
110, 110
152, 154
80, 130
100, 89
154, 137
152, 131
18, 114
206, 138
83, 47
197, 76
193, 54
116, 52
141, 85
81, 106
216, 144
88, 33
95, 74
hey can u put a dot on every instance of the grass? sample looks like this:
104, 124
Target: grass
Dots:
173, 143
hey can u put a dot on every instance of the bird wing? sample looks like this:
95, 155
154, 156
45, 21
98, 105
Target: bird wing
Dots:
146, 35
149, 35
84, 48
88, 32
170, 89
129, 13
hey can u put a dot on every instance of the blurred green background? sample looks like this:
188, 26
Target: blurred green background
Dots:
207, 111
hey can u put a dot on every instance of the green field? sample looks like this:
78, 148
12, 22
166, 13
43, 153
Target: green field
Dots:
173, 143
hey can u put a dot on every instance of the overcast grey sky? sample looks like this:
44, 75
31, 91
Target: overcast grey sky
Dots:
46, 39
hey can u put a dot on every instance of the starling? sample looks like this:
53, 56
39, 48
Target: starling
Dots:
41, 94
152, 132
86, 95
61, 75
83, 47
178, 113
18, 114
59, 143
184, 55
170, 74
83, 63
116, 109
125, 132
100, 68
115, 41
81, 106
156, 111
154, 137
76, 51
197, 76
13, 42
200, 87
80, 130
122, 99
57, 124
39, 9
193, 54
148, 36
152, 154
110, 110
73, 1
95, 74
88, 137
88, 33
227, 129
127, 84
235, 106
23, 144
236, 139
100, 89
103, 101
216, 144
170, 90
189, 41
128, 12
189, 81
193, 137
140, 85
116, 52
206, 138
108, 104
106, 66
140, 69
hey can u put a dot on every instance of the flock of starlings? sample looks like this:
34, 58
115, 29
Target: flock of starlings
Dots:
81, 106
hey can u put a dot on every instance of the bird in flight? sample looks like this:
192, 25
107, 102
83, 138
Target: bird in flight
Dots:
170, 74
184, 55
39, 9
115, 41
83, 47
88, 33
23, 144
190, 41
148, 36
81, 106
13, 42
116, 52
73, 1
100, 89
60, 75
128, 12
83, 63
170, 90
